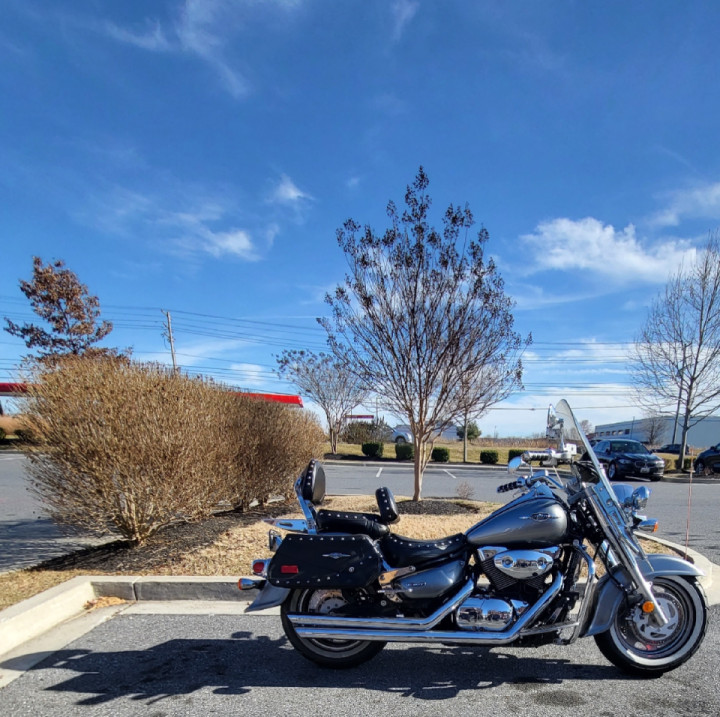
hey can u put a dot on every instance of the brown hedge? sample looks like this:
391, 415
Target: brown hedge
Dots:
129, 447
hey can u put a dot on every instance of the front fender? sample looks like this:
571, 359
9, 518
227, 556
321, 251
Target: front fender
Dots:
270, 596
609, 594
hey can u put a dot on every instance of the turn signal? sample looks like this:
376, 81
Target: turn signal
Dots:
648, 607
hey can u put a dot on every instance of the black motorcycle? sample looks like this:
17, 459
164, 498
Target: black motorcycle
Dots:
524, 576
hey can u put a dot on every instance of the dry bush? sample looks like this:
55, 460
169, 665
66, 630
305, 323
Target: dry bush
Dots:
465, 490
130, 447
269, 445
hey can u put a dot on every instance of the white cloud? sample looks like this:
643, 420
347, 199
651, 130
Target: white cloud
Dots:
403, 11
699, 203
236, 242
287, 192
588, 244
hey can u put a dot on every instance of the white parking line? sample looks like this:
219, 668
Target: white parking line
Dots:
450, 474
377, 475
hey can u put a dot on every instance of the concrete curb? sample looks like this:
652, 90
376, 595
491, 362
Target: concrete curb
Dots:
32, 617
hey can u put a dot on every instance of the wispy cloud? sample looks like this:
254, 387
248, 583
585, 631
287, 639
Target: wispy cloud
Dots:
153, 38
403, 11
288, 193
208, 30
619, 255
701, 202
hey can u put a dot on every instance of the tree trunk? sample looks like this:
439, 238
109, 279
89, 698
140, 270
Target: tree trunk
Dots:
419, 469
333, 441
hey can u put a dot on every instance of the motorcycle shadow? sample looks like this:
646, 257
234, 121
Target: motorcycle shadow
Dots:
248, 663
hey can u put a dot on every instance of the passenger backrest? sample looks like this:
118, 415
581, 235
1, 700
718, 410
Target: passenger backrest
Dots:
313, 483
387, 505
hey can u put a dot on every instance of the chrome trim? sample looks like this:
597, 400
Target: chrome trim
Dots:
290, 524
409, 634
407, 623
588, 598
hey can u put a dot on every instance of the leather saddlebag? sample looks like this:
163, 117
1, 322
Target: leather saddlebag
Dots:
327, 561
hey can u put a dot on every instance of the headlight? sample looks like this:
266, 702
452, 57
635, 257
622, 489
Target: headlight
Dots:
624, 461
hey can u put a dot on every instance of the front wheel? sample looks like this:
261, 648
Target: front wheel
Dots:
327, 653
639, 647
612, 471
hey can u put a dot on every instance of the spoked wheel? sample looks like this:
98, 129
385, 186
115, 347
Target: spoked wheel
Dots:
641, 648
328, 653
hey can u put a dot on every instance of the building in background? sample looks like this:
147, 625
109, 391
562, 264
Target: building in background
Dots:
705, 433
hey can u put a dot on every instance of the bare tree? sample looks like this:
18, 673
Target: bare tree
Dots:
586, 426
422, 319
654, 425
59, 298
327, 381
676, 361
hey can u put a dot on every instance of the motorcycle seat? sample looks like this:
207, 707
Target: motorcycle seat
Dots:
400, 552
331, 521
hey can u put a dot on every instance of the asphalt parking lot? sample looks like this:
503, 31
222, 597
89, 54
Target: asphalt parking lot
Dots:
229, 664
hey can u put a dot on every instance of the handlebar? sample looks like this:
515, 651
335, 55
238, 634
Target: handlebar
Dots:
535, 456
510, 486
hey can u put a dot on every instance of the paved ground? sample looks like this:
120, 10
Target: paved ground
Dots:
200, 664
27, 536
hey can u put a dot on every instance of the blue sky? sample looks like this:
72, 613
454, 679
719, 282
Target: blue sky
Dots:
197, 157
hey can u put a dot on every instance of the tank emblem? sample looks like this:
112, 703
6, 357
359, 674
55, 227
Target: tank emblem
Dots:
539, 517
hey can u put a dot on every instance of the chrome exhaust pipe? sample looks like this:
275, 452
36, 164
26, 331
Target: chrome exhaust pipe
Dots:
427, 635
388, 623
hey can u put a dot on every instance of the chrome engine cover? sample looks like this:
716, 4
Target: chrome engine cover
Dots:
491, 614
521, 564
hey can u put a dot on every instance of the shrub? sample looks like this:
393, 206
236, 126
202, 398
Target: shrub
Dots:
27, 436
515, 452
129, 448
465, 491
685, 464
2, 434
489, 457
441, 455
373, 449
360, 432
404, 451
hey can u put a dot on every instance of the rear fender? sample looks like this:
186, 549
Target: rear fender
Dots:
610, 594
270, 596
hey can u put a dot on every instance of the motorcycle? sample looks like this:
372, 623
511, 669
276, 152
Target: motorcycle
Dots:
527, 575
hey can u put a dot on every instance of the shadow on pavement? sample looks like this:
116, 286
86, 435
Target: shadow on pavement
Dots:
247, 661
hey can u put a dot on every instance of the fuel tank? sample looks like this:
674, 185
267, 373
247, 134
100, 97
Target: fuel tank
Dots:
535, 522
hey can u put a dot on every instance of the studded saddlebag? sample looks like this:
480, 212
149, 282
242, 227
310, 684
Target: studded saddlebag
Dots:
328, 560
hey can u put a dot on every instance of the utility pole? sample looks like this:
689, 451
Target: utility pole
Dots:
169, 335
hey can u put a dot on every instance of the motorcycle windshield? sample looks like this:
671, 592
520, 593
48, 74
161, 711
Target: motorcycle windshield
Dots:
562, 419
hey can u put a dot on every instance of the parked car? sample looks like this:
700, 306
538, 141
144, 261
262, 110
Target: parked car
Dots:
623, 457
673, 448
708, 462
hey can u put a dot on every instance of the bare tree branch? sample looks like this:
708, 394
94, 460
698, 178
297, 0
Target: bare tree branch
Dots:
422, 319
676, 358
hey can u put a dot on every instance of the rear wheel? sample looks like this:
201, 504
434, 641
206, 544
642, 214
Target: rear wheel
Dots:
638, 647
328, 653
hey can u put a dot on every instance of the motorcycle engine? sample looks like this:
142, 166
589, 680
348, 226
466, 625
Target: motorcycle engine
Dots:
506, 568
487, 613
